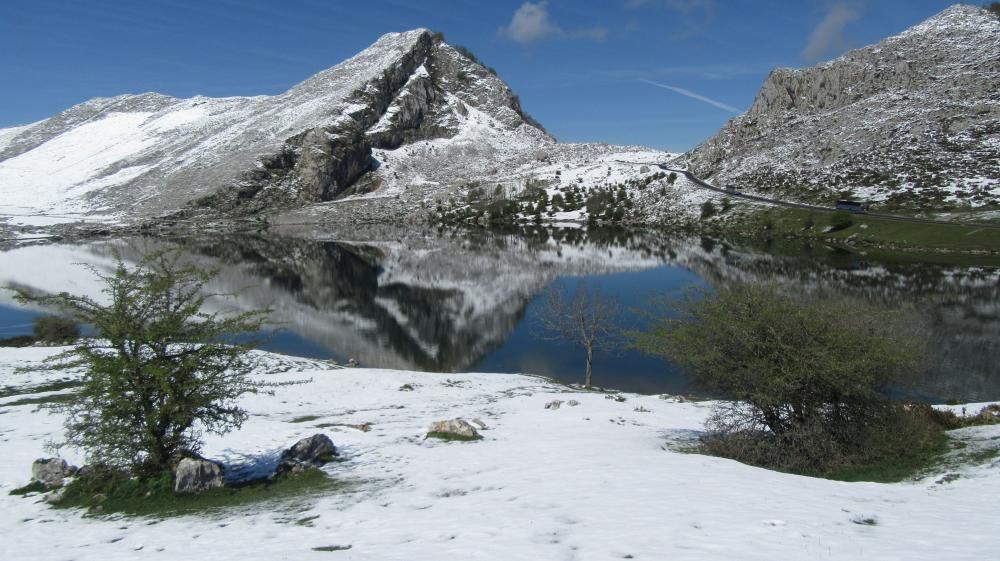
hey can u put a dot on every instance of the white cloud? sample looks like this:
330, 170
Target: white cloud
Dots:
828, 37
531, 23
692, 95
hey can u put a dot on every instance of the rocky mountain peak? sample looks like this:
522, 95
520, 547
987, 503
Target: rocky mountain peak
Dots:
149, 154
835, 129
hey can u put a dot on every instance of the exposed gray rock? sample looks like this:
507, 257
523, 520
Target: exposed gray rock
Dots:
55, 496
194, 475
572, 403
51, 471
553, 404
911, 122
312, 451
457, 429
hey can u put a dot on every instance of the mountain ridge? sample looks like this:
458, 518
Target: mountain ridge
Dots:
381, 97
910, 123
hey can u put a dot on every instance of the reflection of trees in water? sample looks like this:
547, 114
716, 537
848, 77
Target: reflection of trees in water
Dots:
428, 312
958, 307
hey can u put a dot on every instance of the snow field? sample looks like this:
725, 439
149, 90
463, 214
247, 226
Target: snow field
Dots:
595, 481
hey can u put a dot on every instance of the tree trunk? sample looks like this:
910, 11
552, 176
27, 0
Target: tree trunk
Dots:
590, 373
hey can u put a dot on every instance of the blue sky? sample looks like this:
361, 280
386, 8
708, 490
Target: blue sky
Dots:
663, 73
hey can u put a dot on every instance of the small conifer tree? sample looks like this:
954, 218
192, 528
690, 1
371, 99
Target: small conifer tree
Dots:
160, 369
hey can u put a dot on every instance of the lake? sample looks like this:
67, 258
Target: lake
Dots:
464, 300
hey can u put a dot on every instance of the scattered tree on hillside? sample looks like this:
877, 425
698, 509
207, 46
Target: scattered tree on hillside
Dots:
586, 318
708, 210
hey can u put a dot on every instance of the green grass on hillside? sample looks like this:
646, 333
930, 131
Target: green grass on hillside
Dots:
155, 496
870, 230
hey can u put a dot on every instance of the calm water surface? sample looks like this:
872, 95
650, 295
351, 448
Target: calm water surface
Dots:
467, 301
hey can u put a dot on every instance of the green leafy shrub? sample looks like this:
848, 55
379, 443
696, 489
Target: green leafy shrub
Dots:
804, 377
708, 210
55, 329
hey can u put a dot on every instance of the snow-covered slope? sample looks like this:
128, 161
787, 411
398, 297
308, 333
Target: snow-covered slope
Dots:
408, 112
598, 480
912, 122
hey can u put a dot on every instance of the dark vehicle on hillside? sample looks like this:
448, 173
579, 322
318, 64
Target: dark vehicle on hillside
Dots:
731, 189
852, 206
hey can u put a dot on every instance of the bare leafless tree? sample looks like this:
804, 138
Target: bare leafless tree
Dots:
585, 318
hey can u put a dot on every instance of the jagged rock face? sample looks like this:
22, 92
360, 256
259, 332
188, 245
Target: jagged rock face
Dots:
154, 154
912, 122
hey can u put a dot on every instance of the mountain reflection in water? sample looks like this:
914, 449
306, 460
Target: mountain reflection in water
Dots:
453, 301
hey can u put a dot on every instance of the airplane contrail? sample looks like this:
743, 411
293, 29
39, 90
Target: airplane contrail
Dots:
692, 95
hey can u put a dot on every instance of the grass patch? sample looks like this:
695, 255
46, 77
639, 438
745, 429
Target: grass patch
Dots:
116, 493
901, 466
983, 456
844, 227
452, 437
42, 400
18, 341
11, 391
33, 487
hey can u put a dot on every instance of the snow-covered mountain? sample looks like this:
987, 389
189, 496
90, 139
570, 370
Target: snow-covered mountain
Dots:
912, 122
408, 120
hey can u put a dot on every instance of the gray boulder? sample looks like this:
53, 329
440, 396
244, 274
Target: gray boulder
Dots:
312, 451
553, 404
194, 475
455, 429
51, 471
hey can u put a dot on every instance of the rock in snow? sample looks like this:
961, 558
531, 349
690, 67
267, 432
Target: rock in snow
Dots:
194, 475
51, 471
312, 451
455, 428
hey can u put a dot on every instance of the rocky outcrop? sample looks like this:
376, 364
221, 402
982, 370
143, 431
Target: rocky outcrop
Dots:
195, 475
909, 123
312, 451
455, 429
51, 471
